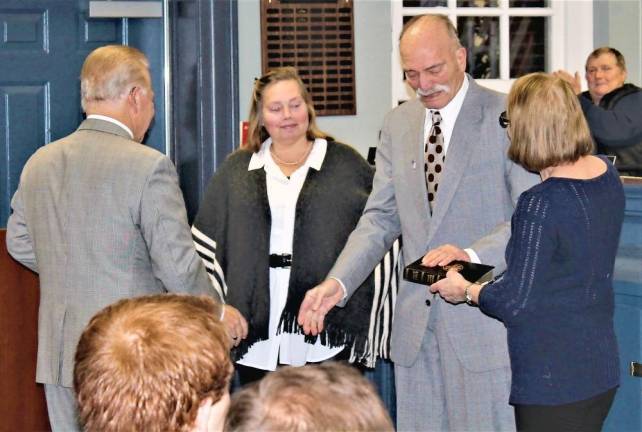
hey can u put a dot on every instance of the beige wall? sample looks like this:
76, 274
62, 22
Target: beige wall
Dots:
373, 48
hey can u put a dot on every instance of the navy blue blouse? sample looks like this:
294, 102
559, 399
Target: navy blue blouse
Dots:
556, 296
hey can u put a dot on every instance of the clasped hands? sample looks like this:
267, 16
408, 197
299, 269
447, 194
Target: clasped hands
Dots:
321, 299
452, 287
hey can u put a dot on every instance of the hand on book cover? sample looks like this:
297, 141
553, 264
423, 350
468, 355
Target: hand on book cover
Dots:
443, 255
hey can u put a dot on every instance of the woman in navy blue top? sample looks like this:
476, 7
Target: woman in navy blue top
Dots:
556, 296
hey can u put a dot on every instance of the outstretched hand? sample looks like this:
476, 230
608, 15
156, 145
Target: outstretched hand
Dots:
317, 303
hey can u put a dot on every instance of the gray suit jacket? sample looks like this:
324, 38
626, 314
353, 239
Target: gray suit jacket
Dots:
100, 218
477, 193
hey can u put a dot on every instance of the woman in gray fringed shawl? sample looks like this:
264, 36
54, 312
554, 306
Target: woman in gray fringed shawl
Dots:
273, 220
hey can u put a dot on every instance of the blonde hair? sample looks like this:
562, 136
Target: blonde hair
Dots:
147, 363
326, 397
256, 132
111, 71
547, 126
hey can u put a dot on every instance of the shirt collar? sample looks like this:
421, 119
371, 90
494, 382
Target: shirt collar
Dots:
314, 160
111, 120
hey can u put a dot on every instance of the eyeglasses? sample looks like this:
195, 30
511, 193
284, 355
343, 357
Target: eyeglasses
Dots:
503, 120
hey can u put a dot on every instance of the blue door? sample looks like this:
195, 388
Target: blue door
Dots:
43, 47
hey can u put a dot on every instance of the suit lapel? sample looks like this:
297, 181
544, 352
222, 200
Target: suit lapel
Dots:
413, 151
464, 138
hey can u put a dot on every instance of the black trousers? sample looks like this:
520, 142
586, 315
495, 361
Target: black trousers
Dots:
583, 416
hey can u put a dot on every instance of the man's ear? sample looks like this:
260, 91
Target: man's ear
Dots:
211, 416
202, 416
460, 55
218, 413
133, 98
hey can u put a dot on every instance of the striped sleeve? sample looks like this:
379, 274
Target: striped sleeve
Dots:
206, 248
386, 286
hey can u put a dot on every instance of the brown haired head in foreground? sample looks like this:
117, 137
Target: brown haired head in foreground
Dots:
149, 364
325, 397
547, 126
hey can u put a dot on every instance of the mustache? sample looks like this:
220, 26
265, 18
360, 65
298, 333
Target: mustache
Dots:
434, 89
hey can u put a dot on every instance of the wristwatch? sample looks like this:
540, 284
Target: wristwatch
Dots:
469, 298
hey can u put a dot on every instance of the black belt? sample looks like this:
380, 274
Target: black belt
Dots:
280, 260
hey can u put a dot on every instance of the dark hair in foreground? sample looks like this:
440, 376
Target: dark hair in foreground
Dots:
326, 397
147, 363
547, 126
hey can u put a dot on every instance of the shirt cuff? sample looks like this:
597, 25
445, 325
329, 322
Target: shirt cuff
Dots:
474, 258
343, 287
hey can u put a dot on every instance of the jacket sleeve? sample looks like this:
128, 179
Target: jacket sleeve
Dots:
164, 226
377, 229
620, 126
19, 242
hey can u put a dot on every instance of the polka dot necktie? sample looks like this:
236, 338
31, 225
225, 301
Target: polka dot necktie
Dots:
435, 156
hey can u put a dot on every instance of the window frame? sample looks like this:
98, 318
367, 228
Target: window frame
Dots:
569, 42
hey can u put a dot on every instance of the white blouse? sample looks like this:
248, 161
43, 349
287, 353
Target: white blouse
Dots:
283, 193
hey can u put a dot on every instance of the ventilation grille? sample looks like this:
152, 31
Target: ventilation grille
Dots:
317, 38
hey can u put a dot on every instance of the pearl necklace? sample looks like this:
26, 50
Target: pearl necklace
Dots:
282, 162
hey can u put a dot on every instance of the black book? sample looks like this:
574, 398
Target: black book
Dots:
418, 273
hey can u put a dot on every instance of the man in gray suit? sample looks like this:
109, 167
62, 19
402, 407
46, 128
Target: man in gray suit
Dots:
451, 361
100, 217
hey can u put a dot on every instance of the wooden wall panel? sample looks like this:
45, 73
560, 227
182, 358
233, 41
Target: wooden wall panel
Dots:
22, 401
316, 37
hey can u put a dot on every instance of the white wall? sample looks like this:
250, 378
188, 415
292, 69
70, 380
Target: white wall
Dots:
373, 48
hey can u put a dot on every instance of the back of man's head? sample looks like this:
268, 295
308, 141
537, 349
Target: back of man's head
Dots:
148, 363
109, 72
325, 397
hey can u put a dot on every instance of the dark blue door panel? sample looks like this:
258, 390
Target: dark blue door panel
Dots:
626, 412
41, 52
147, 36
22, 105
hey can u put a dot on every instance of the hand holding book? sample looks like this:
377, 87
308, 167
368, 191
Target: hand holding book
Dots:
421, 274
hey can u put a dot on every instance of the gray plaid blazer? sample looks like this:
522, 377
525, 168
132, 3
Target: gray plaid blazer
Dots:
100, 218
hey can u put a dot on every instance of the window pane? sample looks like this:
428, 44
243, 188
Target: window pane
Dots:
480, 36
425, 3
527, 3
476, 3
528, 45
